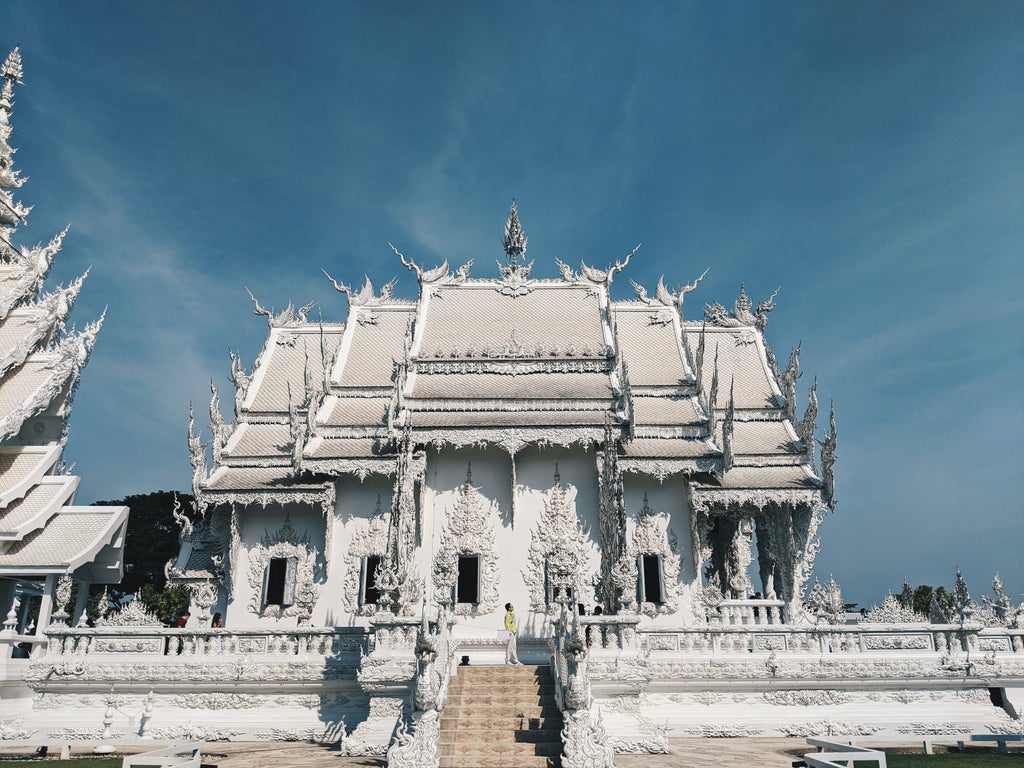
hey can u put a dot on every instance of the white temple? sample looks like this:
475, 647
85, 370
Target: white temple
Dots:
46, 543
388, 483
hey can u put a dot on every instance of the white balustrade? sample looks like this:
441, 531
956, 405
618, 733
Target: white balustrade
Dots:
187, 643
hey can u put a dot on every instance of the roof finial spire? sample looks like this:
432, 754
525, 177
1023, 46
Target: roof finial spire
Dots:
515, 237
11, 73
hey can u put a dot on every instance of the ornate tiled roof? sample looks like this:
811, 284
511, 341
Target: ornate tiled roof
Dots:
340, 411
258, 478
526, 386
374, 344
36, 507
551, 321
513, 362
649, 341
740, 353
291, 358
21, 467
259, 441
71, 539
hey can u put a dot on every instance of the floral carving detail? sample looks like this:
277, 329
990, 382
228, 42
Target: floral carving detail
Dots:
558, 533
652, 536
133, 614
892, 611
284, 542
469, 531
368, 541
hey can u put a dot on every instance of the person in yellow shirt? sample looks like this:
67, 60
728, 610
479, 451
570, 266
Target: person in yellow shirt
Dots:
511, 655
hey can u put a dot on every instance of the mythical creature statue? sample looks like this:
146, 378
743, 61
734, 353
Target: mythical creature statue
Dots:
365, 297
288, 317
663, 296
716, 314
440, 274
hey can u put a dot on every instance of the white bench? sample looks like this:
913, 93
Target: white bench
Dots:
184, 755
841, 754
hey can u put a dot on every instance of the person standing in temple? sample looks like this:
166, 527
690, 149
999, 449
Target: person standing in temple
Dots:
511, 654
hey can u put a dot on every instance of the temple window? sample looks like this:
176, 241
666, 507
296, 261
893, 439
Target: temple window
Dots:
651, 582
279, 581
370, 593
468, 583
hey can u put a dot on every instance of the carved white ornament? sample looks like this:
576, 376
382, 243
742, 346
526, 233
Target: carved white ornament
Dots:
367, 541
558, 535
469, 531
652, 536
284, 542
132, 614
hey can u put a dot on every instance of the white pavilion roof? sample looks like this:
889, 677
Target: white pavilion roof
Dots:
21, 467
517, 363
73, 538
36, 507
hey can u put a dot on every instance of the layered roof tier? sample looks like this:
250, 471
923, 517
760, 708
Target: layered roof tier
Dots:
515, 361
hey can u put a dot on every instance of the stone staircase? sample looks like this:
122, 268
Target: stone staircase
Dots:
501, 717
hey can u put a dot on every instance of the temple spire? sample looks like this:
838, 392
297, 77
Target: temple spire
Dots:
11, 213
515, 237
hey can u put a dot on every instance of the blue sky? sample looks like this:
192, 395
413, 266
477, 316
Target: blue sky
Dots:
866, 157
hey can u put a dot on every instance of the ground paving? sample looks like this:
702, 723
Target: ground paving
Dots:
684, 753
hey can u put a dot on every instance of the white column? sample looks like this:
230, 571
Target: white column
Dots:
81, 602
46, 604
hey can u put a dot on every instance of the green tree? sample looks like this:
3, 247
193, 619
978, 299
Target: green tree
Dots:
923, 599
151, 540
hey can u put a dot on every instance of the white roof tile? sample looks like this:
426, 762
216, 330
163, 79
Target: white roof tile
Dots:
651, 350
375, 347
18, 385
36, 507
71, 538
351, 448
739, 359
354, 411
665, 411
21, 467
259, 440
257, 479
548, 317
283, 366
675, 448
530, 418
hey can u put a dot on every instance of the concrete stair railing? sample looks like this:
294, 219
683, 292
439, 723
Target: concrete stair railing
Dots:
501, 717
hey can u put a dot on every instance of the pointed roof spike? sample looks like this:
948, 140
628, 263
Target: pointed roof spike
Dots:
469, 473
11, 72
558, 475
11, 69
515, 238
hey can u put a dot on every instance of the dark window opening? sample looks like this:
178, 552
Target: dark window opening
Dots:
371, 594
651, 568
468, 586
277, 575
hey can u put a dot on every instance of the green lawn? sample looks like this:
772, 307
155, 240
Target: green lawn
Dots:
955, 760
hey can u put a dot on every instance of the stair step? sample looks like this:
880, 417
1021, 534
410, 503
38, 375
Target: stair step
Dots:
552, 736
499, 749
501, 717
509, 761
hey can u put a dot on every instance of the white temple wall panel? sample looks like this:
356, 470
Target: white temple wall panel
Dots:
293, 533
359, 531
667, 536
